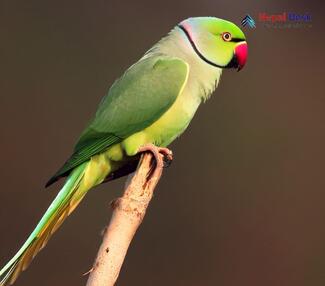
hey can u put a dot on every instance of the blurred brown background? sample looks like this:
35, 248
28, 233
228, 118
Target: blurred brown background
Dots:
243, 202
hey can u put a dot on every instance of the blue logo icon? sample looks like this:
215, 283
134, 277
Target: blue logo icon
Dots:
248, 21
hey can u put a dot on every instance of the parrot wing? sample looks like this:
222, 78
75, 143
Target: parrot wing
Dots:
135, 101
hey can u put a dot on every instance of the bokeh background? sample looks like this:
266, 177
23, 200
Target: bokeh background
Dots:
243, 202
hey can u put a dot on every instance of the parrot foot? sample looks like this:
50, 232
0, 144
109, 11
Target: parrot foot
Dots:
163, 156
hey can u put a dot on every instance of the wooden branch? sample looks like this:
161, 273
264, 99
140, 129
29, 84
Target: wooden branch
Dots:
128, 213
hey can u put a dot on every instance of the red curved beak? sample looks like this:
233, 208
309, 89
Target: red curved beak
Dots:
241, 52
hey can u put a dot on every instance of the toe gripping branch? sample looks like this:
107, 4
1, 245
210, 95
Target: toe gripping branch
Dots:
163, 158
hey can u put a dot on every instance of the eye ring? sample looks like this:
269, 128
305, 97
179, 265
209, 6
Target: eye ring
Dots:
226, 36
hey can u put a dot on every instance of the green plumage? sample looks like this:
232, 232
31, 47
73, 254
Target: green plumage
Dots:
50, 221
152, 103
134, 102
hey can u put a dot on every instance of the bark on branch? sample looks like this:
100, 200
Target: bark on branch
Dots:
128, 213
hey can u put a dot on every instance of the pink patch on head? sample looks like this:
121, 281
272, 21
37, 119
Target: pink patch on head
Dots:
187, 27
241, 52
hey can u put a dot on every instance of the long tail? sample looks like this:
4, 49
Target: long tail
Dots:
68, 198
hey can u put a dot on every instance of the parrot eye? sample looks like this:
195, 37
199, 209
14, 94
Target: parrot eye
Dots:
226, 36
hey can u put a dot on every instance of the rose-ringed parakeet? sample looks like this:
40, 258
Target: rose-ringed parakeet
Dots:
153, 102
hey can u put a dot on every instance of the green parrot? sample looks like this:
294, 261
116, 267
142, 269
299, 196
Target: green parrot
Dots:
151, 104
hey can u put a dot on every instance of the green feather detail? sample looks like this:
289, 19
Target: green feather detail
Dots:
51, 220
135, 101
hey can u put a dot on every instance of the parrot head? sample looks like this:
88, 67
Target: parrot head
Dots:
218, 42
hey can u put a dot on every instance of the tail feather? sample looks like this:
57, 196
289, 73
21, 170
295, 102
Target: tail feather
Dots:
65, 202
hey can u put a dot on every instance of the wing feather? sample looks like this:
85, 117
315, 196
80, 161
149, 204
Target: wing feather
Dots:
135, 101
